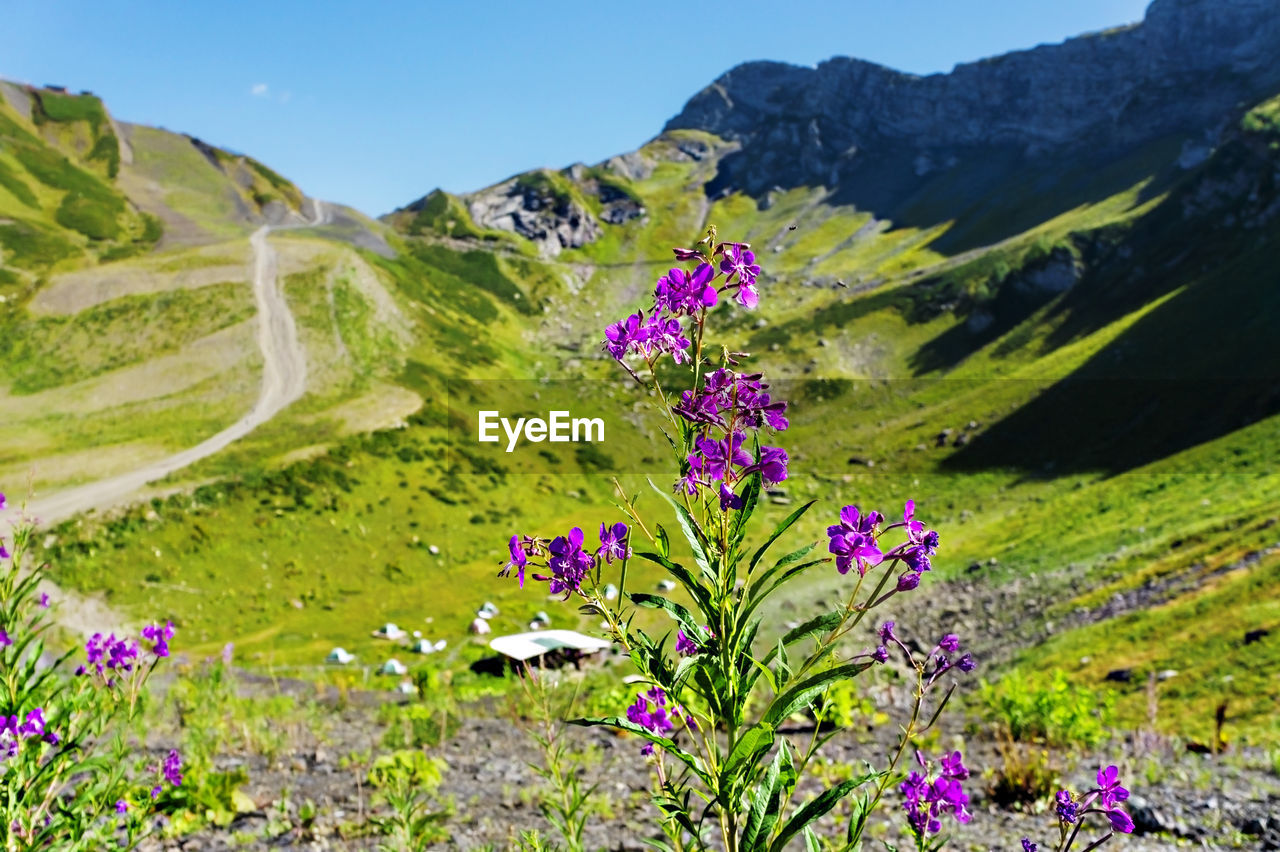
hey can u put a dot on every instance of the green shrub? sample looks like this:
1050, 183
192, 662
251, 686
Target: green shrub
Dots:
1049, 710
89, 216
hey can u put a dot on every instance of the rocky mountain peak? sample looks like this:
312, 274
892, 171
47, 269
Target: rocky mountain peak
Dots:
1184, 68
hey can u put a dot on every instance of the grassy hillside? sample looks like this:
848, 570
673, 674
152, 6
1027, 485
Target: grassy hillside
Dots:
1076, 384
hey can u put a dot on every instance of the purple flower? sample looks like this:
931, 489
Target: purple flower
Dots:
740, 267
908, 581
719, 457
5, 641
914, 528
728, 499
1028, 846
886, 632
880, 654
518, 560
966, 663
681, 293
683, 254
685, 646
155, 792
116, 654
949, 643
853, 540
625, 336
172, 769
953, 766
121, 806
1109, 790
569, 563
1066, 808
44, 600
664, 335
1120, 821
159, 637
4, 554
613, 542
652, 712
227, 651
773, 465
3, 504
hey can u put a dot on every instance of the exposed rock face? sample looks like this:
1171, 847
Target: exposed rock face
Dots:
1184, 68
1057, 273
537, 211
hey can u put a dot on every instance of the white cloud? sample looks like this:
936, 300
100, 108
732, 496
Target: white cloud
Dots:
259, 90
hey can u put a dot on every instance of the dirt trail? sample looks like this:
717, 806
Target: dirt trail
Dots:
284, 379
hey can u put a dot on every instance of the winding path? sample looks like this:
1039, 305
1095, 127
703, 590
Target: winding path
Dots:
284, 379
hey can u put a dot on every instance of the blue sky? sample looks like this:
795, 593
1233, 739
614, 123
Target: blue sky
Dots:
373, 104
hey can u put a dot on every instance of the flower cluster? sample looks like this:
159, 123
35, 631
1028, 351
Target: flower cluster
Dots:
159, 637
686, 646
109, 654
648, 337
170, 771
565, 557
855, 543
654, 712
1104, 799
13, 733
926, 801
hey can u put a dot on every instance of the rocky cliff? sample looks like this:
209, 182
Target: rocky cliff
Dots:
1187, 66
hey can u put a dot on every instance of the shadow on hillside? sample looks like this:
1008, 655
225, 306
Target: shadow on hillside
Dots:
990, 194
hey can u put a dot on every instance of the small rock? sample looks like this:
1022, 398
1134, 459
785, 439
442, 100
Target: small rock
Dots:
1120, 675
1255, 636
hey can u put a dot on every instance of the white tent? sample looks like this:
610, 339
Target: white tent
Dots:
423, 646
340, 656
388, 631
393, 667
524, 646
479, 626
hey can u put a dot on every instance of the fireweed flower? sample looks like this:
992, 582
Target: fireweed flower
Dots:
624, 336
853, 540
740, 267
613, 542
519, 559
687, 646
1028, 846
653, 712
122, 806
569, 563
172, 769
159, 637
926, 801
1109, 790
679, 292
44, 600
111, 654
1066, 807
5, 641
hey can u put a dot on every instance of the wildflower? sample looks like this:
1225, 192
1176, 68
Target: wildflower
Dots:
111, 653
568, 563
3, 504
155, 791
853, 540
927, 801
652, 712
679, 292
1028, 846
949, 643
518, 560
740, 263
914, 528
665, 336
227, 651
685, 644
172, 768
908, 581
121, 806
1109, 790
613, 542
886, 632
159, 637
683, 254
44, 600
966, 663
628, 335
1067, 808
4, 554
728, 499
880, 654
719, 457
773, 465
5, 641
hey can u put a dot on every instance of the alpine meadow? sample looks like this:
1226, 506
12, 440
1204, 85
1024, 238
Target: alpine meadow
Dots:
866, 461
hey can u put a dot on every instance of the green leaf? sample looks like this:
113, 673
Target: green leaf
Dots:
778, 531
811, 843
697, 539
766, 806
804, 692
675, 610
752, 745
686, 578
817, 808
663, 542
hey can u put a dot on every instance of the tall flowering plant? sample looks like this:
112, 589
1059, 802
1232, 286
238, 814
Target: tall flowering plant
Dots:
66, 767
717, 694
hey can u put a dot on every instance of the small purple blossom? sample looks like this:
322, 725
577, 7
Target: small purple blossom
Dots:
927, 801
679, 292
569, 563
740, 267
1109, 790
159, 637
172, 768
519, 559
908, 581
5, 641
880, 654
652, 712
122, 806
1028, 846
613, 542
949, 643
44, 600
853, 540
1066, 808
